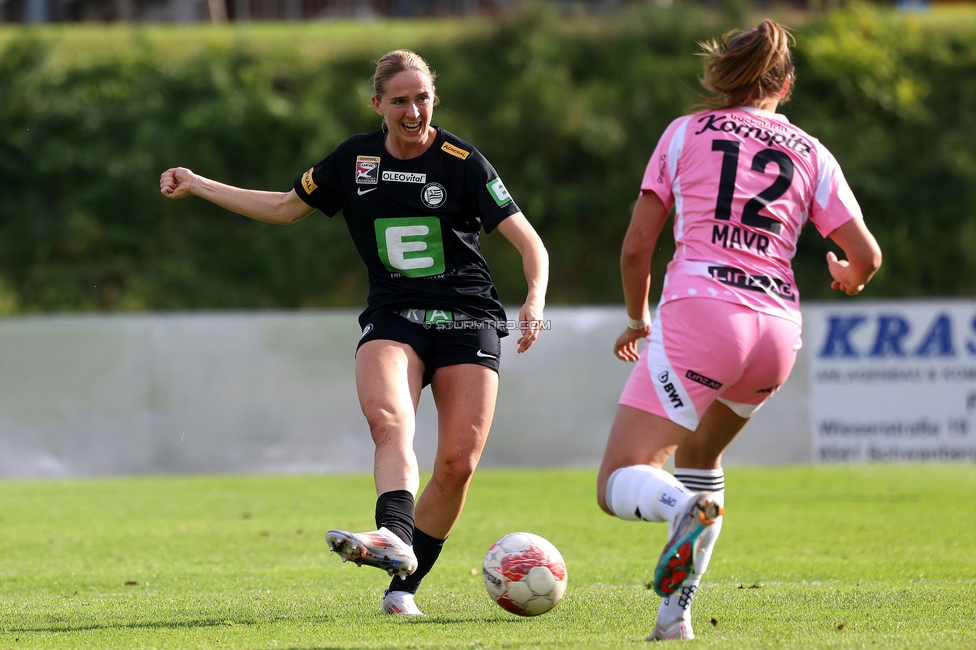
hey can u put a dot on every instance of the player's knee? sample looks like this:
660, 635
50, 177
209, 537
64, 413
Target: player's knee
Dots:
601, 499
454, 473
384, 427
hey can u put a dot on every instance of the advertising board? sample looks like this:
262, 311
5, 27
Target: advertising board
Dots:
893, 380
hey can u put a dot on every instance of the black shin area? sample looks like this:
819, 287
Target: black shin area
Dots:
394, 511
427, 549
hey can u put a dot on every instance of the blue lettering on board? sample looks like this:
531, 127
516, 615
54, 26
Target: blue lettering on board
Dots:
938, 340
971, 345
892, 337
892, 331
838, 343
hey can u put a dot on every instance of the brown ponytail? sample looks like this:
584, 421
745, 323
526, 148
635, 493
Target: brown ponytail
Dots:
747, 67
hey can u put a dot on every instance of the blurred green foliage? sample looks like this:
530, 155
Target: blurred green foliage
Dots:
568, 111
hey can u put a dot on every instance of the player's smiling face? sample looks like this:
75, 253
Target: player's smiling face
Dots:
407, 106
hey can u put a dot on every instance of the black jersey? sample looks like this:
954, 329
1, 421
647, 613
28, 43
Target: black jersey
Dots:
416, 222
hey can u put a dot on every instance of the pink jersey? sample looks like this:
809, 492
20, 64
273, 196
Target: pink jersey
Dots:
743, 182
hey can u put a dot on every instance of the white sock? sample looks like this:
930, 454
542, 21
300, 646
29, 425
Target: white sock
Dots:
678, 605
642, 492
701, 480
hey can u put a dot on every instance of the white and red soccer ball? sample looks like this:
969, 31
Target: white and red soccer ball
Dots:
524, 574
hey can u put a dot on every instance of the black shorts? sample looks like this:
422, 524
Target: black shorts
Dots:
438, 344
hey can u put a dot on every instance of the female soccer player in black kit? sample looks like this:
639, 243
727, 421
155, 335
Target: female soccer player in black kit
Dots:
414, 198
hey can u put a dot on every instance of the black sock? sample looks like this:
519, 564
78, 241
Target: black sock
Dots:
394, 511
427, 549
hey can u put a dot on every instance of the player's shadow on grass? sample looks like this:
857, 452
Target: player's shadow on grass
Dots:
437, 621
226, 623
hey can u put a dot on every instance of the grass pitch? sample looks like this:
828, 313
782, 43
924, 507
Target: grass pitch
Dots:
878, 556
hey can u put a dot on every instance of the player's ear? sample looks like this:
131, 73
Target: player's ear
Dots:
376, 104
785, 90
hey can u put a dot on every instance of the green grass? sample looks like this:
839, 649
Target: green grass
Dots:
857, 556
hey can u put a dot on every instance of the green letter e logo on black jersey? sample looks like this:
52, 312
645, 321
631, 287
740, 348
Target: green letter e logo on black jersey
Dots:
411, 245
498, 192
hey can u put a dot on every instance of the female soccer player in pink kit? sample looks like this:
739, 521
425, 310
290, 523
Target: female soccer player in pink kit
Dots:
742, 181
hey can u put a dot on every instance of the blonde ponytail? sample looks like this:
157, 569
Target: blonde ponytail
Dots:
747, 67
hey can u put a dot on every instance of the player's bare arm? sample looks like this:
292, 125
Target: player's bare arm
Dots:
535, 264
646, 224
863, 257
282, 208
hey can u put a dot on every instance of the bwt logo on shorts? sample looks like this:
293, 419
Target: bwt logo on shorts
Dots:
669, 388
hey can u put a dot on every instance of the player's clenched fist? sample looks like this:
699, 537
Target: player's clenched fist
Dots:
840, 271
175, 183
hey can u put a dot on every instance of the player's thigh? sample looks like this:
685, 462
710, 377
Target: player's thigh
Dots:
389, 377
637, 437
465, 396
464, 364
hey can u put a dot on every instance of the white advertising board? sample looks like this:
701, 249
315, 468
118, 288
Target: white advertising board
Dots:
892, 381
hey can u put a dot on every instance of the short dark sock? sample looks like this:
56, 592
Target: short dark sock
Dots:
428, 549
394, 511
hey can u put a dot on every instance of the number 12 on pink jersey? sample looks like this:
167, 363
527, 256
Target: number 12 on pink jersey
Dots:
726, 185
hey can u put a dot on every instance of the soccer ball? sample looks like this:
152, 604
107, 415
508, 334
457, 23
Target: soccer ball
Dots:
524, 574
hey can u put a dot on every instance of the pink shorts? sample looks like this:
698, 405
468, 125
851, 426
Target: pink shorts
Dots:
701, 350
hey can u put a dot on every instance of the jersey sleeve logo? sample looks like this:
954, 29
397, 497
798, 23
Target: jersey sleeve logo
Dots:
411, 246
498, 192
455, 151
307, 183
367, 170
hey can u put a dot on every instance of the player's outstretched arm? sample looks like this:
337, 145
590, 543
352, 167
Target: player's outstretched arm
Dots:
646, 224
535, 265
863, 257
270, 207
